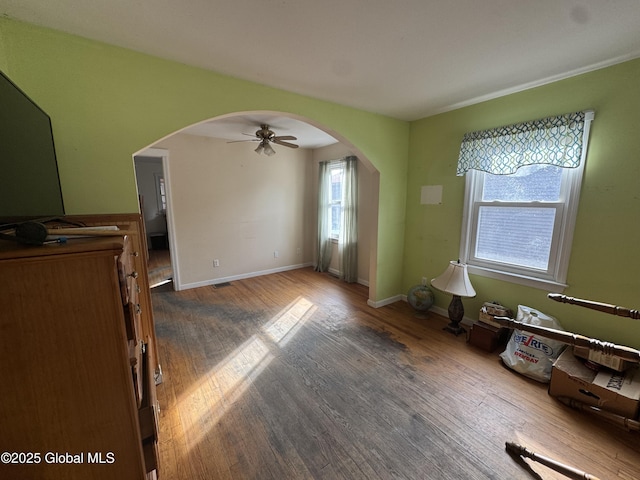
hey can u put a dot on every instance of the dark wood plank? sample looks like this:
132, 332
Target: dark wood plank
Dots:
292, 375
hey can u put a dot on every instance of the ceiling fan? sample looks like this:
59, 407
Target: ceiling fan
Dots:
266, 136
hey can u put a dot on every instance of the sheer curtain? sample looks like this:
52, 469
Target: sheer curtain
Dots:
347, 194
324, 246
348, 240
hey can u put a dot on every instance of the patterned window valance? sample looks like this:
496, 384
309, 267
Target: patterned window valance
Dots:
501, 151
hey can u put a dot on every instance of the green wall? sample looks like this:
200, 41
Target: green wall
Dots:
107, 103
605, 259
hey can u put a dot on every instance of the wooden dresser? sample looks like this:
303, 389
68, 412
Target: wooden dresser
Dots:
77, 363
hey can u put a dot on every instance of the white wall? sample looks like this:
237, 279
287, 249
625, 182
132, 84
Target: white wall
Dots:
366, 208
230, 204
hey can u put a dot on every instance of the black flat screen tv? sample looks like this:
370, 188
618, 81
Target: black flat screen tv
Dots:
29, 181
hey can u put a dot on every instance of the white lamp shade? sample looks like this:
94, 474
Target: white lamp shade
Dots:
455, 281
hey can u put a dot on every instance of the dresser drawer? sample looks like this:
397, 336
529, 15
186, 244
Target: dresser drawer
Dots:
137, 370
133, 315
127, 271
148, 415
132, 312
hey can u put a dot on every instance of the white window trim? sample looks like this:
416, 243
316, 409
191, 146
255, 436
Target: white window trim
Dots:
553, 280
335, 237
159, 179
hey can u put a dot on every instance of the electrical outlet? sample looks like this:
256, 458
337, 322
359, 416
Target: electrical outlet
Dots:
216, 262
276, 254
424, 280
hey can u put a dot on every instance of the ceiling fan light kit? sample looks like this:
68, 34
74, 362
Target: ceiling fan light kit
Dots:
265, 148
266, 136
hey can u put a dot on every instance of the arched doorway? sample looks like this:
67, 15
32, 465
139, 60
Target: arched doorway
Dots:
219, 225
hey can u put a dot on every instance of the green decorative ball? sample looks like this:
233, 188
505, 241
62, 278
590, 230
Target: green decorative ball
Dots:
420, 298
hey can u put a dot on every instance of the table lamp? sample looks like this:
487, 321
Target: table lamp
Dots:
455, 281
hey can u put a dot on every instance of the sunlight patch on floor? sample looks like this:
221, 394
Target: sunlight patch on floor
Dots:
202, 406
207, 400
285, 324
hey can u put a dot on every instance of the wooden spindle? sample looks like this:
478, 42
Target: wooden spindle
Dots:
566, 470
601, 307
574, 339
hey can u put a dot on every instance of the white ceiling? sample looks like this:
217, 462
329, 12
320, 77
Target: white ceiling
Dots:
243, 127
405, 58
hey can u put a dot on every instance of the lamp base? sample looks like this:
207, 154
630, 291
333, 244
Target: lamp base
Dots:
456, 312
454, 328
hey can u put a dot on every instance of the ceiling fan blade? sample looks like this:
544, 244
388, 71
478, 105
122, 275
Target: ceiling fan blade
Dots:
285, 137
278, 141
239, 141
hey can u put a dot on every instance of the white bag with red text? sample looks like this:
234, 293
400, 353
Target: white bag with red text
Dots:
529, 354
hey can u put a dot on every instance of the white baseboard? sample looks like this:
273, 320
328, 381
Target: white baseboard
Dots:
336, 273
383, 302
443, 312
231, 278
259, 273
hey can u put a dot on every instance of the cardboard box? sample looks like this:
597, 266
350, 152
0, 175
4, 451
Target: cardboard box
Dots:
612, 391
489, 310
612, 361
488, 319
495, 309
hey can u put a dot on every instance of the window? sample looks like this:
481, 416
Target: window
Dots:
336, 174
519, 226
338, 216
161, 193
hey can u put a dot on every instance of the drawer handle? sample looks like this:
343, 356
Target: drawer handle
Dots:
133, 274
135, 254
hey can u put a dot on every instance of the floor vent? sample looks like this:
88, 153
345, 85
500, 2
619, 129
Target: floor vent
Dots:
223, 284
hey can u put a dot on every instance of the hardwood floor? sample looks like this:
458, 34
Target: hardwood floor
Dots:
159, 268
159, 259
293, 376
